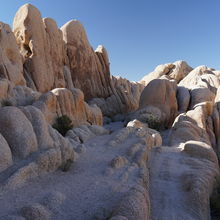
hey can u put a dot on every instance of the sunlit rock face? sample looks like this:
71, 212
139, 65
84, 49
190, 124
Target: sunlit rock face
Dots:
89, 68
161, 153
11, 66
176, 71
41, 45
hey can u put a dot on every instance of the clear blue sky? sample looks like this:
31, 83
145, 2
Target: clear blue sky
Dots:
140, 34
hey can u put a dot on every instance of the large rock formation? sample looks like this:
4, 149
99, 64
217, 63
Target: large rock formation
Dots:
124, 99
55, 73
56, 58
62, 101
176, 71
13, 124
159, 100
11, 66
191, 126
89, 69
42, 48
29, 136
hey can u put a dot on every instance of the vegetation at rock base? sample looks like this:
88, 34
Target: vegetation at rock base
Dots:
66, 165
215, 204
6, 102
152, 121
63, 124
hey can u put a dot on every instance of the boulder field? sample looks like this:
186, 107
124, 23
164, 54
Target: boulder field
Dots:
128, 150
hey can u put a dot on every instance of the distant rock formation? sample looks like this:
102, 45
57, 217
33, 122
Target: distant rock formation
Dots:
176, 71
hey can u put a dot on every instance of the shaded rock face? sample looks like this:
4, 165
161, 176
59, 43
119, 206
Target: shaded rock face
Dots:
125, 97
11, 66
183, 98
5, 154
191, 126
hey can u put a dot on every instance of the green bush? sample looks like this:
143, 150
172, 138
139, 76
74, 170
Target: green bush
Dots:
63, 124
152, 121
6, 102
215, 204
66, 165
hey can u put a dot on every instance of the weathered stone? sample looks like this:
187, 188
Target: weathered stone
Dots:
176, 71
35, 212
118, 162
161, 93
11, 66
200, 150
62, 101
193, 78
135, 205
53, 200
18, 132
41, 46
5, 154
57, 51
40, 126
89, 69
191, 125
183, 99
200, 95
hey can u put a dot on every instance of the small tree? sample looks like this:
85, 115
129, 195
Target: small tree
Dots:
63, 124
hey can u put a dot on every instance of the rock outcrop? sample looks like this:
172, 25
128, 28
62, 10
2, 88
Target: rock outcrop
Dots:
159, 100
89, 69
5, 154
62, 101
11, 66
131, 171
191, 126
41, 45
13, 124
124, 98
27, 137
55, 58
176, 71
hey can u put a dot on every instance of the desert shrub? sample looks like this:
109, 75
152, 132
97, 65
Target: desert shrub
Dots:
152, 121
63, 124
6, 102
66, 165
215, 204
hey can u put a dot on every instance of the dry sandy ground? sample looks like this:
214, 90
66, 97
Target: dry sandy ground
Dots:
89, 190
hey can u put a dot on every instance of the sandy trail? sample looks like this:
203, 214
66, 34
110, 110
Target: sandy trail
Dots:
91, 193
